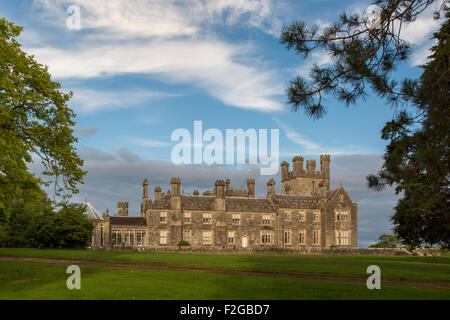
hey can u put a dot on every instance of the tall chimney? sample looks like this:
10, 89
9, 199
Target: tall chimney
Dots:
175, 183
270, 188
157, 193
284, 171
220, 189
145, 189
251, 188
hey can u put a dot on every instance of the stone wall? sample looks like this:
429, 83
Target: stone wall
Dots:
269, 250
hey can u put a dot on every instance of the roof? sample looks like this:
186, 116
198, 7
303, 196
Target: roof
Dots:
90, 212
130, 221
249, 204
197, 203
293, 201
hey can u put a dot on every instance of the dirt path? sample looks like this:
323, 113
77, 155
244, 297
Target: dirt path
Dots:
234, 272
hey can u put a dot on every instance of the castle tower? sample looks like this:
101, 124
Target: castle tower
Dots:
306, 182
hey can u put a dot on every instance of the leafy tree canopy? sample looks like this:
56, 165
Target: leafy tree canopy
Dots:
34, 121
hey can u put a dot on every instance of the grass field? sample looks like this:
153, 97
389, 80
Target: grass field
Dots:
38, 280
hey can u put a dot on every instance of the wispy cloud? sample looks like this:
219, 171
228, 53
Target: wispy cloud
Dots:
309, 147
148, 142
173, 41
85, 131
88, 100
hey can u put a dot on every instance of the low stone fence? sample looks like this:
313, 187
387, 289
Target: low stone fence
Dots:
268, 250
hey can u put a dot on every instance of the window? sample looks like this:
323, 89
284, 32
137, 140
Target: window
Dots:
236, 219
287, 215
265, 237
316, 216
116, 237
163, 217
342, 215
187, 235
163, 237
301, 216
342, 237
207, 218
231, 237
302, 237
140, 238
316, 237
287, 237
207, 237
266, 219
129, 237
187, 217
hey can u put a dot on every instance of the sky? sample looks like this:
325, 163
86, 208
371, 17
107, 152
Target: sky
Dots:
141, 69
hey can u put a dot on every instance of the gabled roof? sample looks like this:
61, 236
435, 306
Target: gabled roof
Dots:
90, 212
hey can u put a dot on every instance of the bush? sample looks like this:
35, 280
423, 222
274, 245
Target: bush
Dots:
183, 243
39, 226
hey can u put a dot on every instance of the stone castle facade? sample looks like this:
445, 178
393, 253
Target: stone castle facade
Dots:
306, 214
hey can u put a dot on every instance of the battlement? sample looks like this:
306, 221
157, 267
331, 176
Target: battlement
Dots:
306, 182
310, 172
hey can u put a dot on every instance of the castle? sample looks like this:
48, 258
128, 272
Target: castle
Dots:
306, 214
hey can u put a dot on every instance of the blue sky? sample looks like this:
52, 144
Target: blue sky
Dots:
141, 69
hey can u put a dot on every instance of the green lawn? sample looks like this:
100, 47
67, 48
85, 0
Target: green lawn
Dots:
32, 280
429, 269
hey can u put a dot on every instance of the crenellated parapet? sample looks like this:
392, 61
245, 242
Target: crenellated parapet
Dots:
306, 182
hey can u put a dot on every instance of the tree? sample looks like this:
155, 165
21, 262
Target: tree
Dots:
364, 56
418, 161
387, 241
34, 121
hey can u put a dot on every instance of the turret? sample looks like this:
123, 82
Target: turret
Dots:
311, 166
325, 165
251, 188
227, 187
298, 166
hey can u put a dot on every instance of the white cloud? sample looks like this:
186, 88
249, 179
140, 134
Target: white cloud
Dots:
148, 143
209, 65
88, 100
156, 18
172, 40
309, 147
